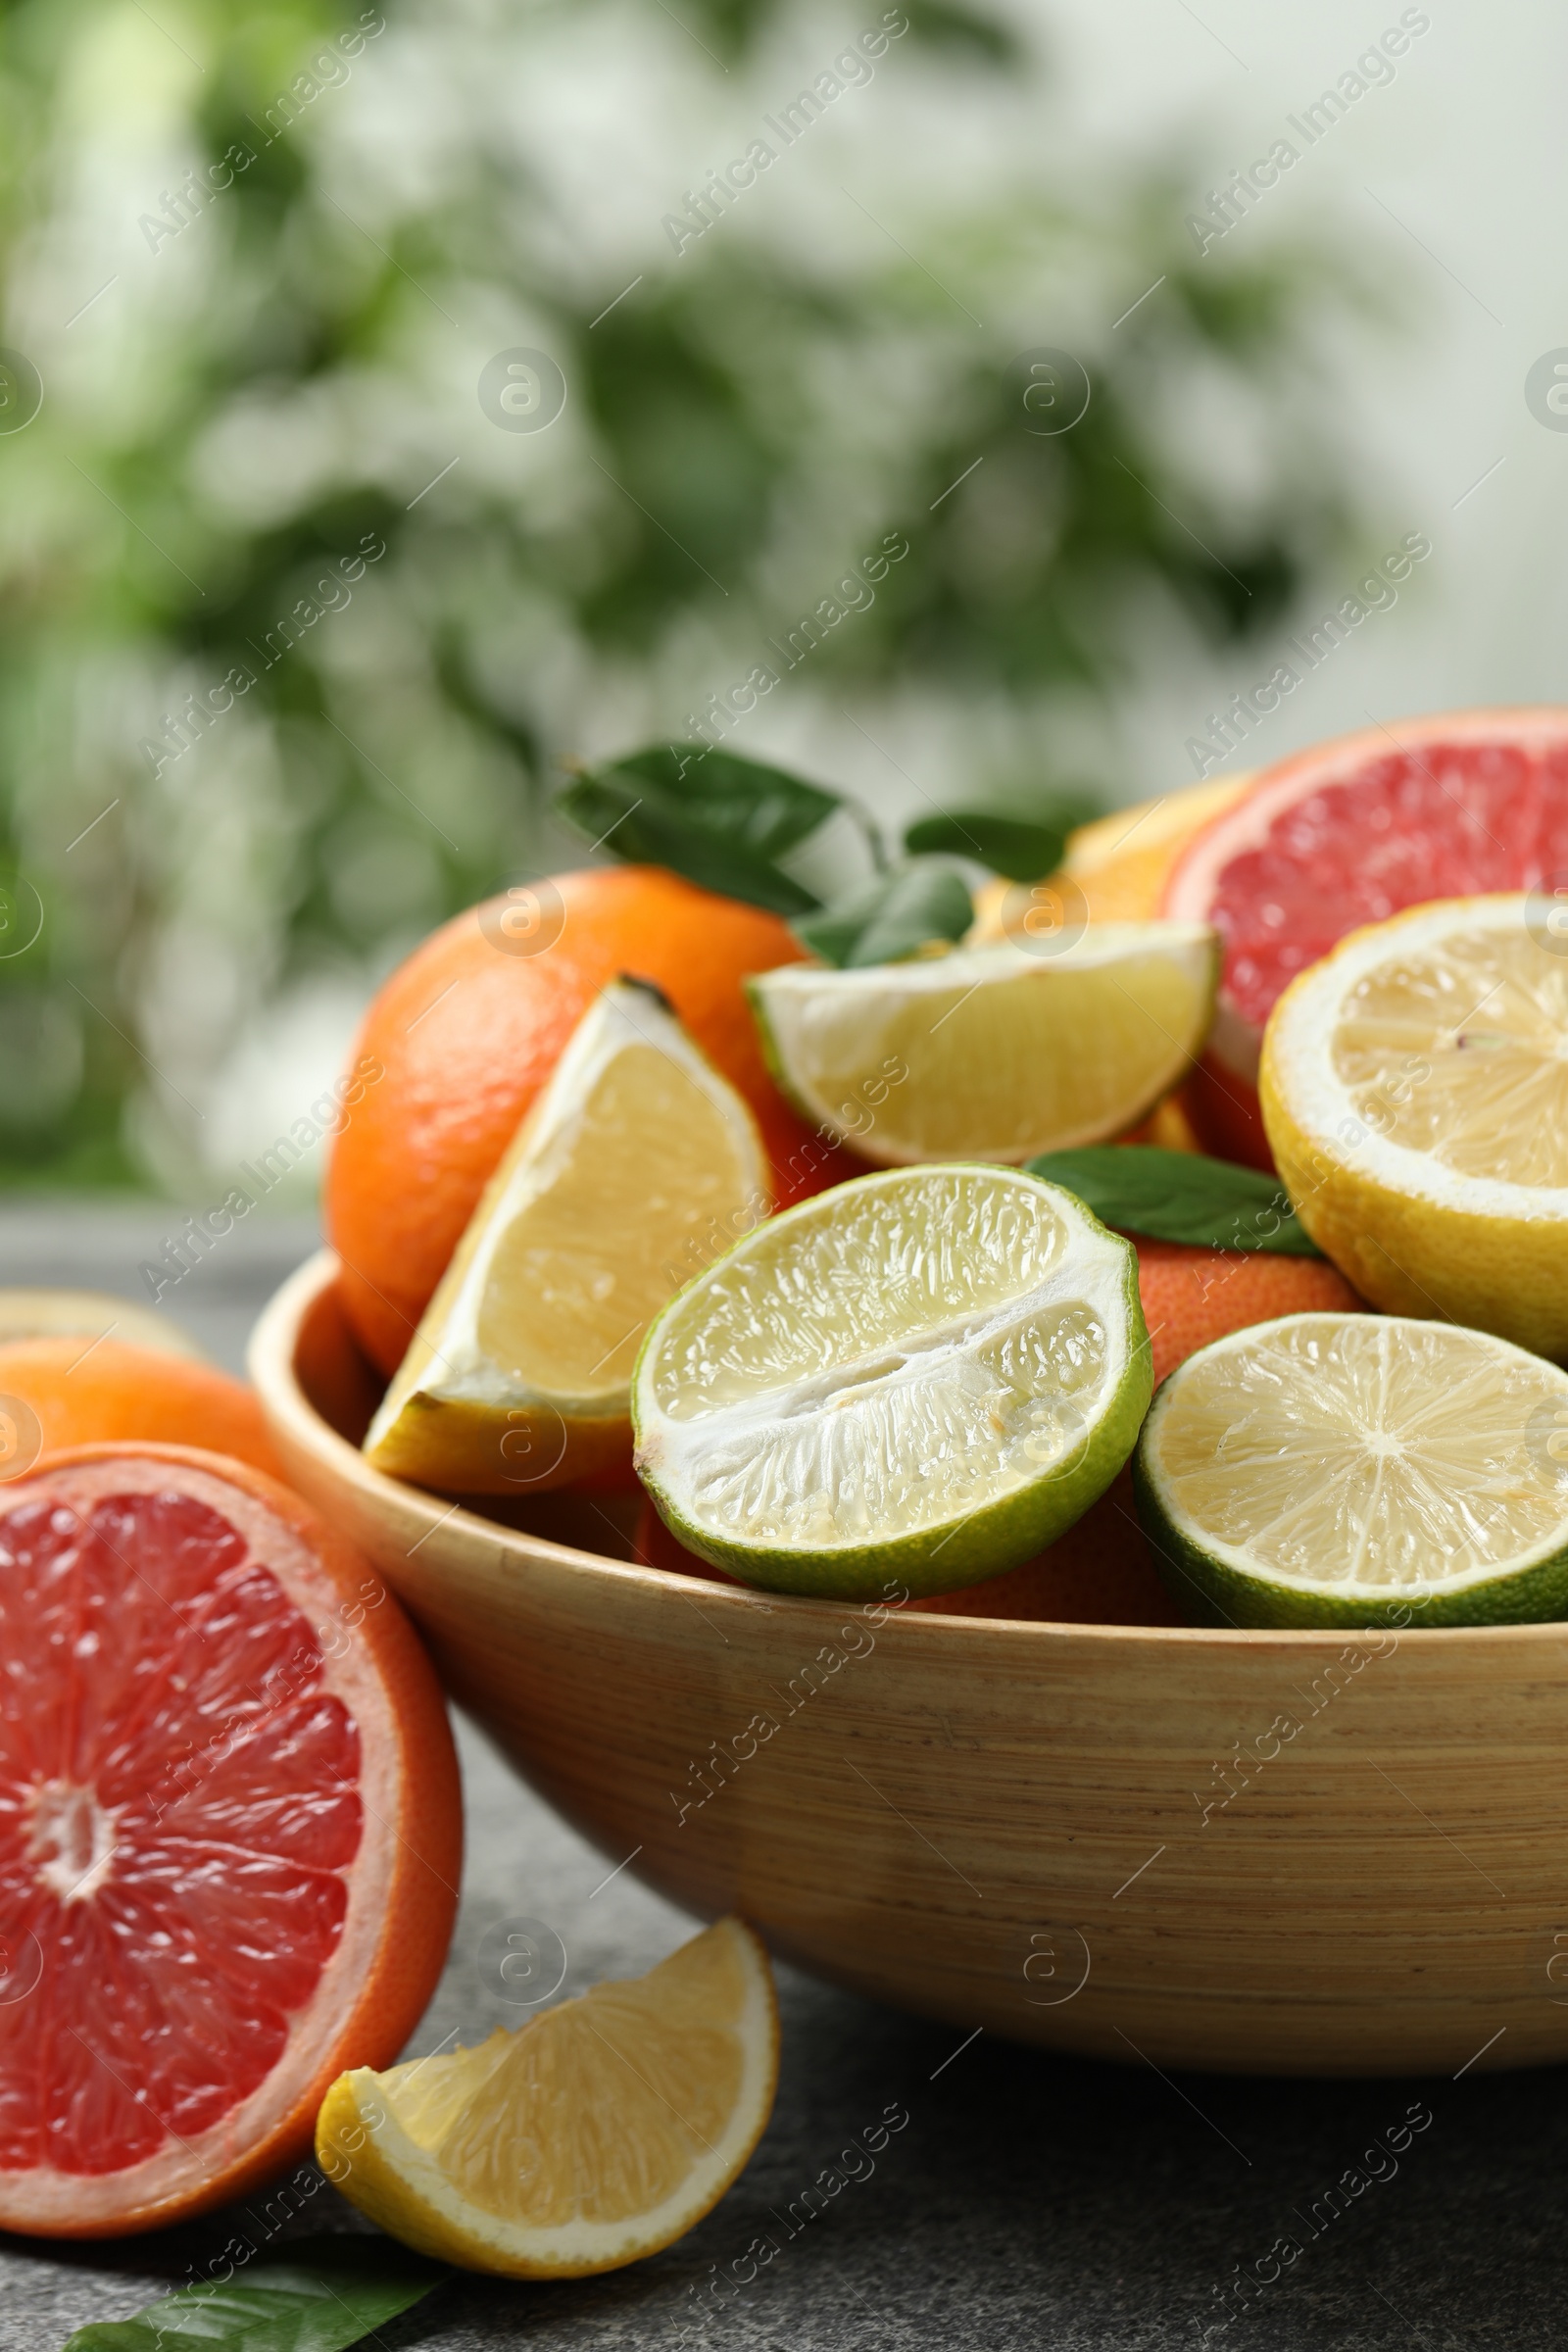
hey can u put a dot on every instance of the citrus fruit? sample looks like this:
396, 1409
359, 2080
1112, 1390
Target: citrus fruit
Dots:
1114, 869
1415, 1088
229, 1834
468, 1030
1347, 833
1361, 1470
96, 1314
636, 1165
77, 1391
992, 1053
601, 2131
920, 1377
1191, 1296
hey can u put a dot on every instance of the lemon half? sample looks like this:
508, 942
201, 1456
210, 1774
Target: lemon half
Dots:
1416, 1092
637, 1164
919, 1377
600, 2132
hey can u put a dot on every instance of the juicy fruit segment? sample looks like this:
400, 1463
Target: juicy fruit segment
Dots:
1415, 1087
924, 1375
193, 1888
1191, 1296
1485, 1012
602, 2130
462, 1038
992, 1053
1353, 831
1358, 1469
636, 1166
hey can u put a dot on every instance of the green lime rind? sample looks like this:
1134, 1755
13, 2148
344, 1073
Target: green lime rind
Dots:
964, 1550
779, 1069
1212, 1592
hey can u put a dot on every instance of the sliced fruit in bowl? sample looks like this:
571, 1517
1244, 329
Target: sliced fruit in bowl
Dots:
1361, 1470
602, 2130
1347, 833
995, 1052
636, 1166
1415, 1090
921, 1377
231, 1830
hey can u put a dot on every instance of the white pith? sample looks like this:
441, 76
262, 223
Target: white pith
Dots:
810, 1459
1515, 1407
1299, 1048
834, 1033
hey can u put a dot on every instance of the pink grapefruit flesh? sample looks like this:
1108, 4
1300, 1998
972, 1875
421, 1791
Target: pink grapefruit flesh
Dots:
212, 1717
1347, 833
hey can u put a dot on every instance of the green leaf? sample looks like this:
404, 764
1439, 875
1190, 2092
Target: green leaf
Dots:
720, 820
331, 2292
1180, 1197
1014, 846
891, 919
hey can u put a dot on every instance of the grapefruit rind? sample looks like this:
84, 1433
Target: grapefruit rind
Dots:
365, 2146
932, 1446
1488, 1409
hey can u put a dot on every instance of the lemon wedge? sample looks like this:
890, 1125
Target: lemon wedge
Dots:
922, 1376
600, 2132
996, 1052
637, 1164
1416, 1092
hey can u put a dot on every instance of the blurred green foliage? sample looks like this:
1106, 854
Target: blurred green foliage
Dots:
286, 374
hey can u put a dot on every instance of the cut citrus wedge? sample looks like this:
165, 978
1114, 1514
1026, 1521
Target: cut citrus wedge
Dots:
602, 2130
637, 1165
1361, 1470
231, 1833
1415, 1091
992, 1053
922, 1377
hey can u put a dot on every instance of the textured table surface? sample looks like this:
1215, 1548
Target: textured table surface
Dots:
1026, 2202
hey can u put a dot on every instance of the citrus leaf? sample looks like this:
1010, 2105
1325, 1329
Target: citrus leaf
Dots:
1180, 1197
1014, 846
720, 820
332, 2291
890, 918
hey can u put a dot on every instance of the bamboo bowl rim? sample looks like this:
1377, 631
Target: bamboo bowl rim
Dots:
271, 1360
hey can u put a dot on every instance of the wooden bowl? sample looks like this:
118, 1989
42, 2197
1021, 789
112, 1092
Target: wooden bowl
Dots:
1260, 1852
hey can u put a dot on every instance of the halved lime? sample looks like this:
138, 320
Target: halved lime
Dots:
1336, 1469
992, 1053
920, 1377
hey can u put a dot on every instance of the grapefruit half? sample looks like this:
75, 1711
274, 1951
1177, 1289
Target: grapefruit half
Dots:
230, 1830
1347, 833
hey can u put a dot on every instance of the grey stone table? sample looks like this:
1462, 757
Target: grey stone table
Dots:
1028, 2201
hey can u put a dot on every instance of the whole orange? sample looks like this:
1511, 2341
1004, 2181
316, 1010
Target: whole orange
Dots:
463, 1036
84, 1391
1193, 1295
